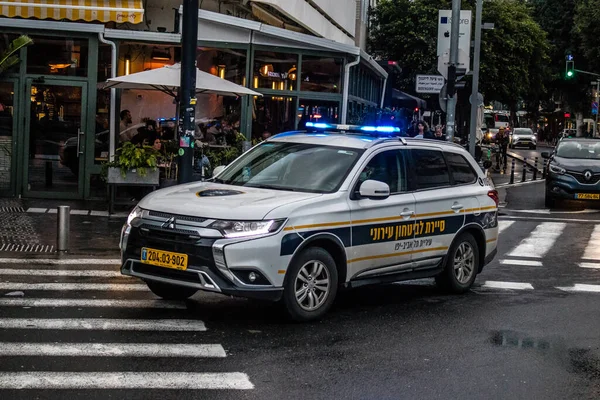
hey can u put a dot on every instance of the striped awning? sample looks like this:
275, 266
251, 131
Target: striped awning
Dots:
119, 11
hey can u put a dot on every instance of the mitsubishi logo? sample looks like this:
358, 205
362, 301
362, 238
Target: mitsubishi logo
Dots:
169, 224
587, 175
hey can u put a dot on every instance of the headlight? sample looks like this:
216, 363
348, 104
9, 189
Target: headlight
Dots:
236, 229
136, 213
533, 138
557, 170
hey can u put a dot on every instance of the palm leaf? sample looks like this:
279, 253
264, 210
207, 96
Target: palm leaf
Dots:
7, 59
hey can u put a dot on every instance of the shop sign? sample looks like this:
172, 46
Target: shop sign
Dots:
429, 83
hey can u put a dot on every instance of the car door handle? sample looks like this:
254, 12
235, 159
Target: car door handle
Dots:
407, 213
456, 207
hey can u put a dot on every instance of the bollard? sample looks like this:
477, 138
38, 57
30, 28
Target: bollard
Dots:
524, 170
535, 169
512, 172
63, 228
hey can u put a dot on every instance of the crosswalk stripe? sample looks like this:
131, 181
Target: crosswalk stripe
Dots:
508, 285
580, 287
68, 261
525, 263
503, 225
63, 272
91, 303
592, 250
589, 265
112, 350
101, 324
74, 286
539, 241
124, 380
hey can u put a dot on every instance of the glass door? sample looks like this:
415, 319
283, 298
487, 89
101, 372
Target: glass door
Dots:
8, 128
54, 140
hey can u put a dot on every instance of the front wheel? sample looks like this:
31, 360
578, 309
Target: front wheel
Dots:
170, 292
461, 266
311, 285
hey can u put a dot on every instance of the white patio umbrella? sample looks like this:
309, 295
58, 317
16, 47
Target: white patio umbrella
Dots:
167, 79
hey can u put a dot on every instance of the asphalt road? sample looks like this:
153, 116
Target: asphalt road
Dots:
528, 330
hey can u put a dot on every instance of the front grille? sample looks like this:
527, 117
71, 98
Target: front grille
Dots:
187, 276
170, 233
166, 216
581, 178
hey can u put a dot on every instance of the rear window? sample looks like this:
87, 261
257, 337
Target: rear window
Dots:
430, 169
461, 170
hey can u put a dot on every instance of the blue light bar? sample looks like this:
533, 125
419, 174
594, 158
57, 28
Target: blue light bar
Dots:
381, 129
318, 125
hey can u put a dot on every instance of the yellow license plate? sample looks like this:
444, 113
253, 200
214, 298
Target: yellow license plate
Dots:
587, 196
164, 259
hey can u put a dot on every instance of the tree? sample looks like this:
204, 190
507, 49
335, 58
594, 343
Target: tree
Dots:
587, 15
513, 57
9, 57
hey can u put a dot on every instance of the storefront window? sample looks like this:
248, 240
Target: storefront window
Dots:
137, 57
276, 71
57, 56
7, 113
104, 62
321, 74
272, 115
228, 64
317, 111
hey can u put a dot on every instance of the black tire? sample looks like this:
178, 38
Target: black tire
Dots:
448, 279
292, 283
170, 292
549, 201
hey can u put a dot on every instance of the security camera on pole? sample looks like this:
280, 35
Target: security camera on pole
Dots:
453, 60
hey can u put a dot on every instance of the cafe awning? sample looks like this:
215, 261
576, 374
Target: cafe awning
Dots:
119, 11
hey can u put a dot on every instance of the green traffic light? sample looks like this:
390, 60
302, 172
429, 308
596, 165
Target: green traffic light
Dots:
569, 73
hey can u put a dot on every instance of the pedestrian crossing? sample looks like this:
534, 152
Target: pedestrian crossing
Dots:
106, 332
545, 254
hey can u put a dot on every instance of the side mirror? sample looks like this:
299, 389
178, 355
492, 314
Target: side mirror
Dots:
545, 154
218, 170
487, 164
374, 190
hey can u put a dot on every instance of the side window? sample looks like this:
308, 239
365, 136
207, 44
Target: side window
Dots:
387, 167
431, 170
461, 169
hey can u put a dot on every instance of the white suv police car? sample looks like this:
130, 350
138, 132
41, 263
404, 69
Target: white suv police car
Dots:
306, 213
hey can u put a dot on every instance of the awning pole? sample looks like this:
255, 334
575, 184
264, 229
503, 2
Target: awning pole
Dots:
346, 88
113, 98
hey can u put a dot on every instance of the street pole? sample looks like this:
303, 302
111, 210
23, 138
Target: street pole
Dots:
475, 91
451, 103
597, 97
187, 91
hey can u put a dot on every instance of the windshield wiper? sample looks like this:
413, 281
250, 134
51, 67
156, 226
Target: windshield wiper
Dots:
259, 186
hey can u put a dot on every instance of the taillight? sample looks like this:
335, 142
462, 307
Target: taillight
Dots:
493, 194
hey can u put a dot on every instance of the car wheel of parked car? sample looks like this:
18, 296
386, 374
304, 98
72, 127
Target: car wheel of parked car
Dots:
311, 285
461, 266
170, 292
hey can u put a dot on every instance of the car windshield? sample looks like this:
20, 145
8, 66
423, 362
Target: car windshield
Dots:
579, 150
523, 132
292, 166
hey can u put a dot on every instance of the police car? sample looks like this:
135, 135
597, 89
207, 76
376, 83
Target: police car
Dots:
306, 213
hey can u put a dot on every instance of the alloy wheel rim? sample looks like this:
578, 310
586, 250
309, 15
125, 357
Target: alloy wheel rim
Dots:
464, 263
312, 285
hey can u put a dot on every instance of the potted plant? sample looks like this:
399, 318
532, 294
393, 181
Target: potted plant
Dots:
133, 165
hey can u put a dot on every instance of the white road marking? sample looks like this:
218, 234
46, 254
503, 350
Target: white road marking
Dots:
580, 287
513, 217
102, 324
592, 250
503, 225
99, 213
73, 286
519, 184
548, 211
508, 285
589, 265
525, 263
91, 303
68, 261
539, 241
112, 350
37, 210
124, 380
53, 272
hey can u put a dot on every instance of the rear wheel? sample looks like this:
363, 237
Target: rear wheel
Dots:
170, 292
311, 285
461, 266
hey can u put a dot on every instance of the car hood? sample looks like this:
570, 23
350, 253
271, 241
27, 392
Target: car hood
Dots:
211, 200
578, 165
522, 136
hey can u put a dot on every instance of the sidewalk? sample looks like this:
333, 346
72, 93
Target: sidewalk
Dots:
29, 227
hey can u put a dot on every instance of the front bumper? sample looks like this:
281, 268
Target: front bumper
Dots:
204, 272
567, 187
524, 142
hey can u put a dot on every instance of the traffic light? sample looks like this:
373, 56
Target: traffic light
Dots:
570, 67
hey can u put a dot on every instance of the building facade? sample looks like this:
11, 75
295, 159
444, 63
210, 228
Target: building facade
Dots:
56, 119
